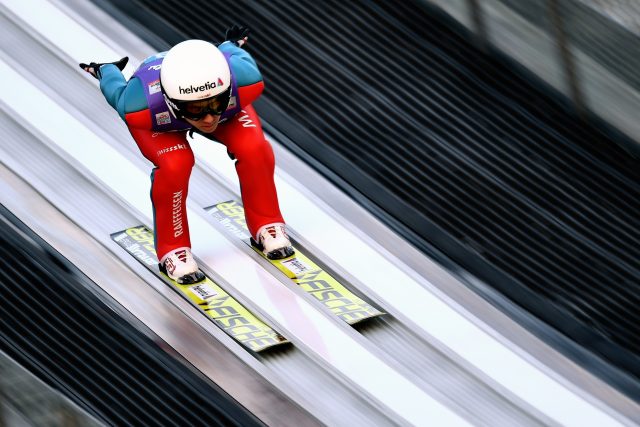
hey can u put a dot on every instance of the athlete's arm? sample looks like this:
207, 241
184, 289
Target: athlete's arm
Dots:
125, 97
246, 71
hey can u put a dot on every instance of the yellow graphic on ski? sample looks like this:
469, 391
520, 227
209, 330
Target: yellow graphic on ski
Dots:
301, 270
227, 313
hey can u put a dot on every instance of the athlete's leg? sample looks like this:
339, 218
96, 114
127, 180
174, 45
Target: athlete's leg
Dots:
255, 165
173, 159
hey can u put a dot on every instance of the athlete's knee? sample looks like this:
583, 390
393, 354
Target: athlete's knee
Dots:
176, 163
255, 151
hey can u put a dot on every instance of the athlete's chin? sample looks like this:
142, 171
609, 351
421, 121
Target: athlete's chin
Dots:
207, 129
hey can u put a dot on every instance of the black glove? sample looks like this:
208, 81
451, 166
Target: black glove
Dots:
237, 34
94, 68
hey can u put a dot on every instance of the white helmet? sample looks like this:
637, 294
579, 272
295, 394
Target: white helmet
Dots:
194, 70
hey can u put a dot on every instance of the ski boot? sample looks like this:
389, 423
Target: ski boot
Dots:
180, 266
273, 241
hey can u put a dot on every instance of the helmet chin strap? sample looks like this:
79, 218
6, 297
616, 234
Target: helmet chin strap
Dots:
172, 106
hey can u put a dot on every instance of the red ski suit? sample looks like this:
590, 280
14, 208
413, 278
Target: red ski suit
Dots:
173, 158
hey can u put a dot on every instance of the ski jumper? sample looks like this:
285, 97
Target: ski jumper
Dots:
162, 139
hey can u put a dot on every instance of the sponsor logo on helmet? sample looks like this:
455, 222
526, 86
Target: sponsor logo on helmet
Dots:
202, 88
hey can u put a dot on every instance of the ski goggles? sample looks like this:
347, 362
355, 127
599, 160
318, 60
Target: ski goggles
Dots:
197, 110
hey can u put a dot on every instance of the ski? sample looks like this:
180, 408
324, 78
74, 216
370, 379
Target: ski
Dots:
225, 311
300, 269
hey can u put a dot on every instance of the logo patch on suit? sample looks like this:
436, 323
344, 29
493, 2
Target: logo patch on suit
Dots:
163, 118
154, 87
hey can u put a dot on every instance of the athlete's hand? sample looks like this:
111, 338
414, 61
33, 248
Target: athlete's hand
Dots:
237, 34
94, 68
